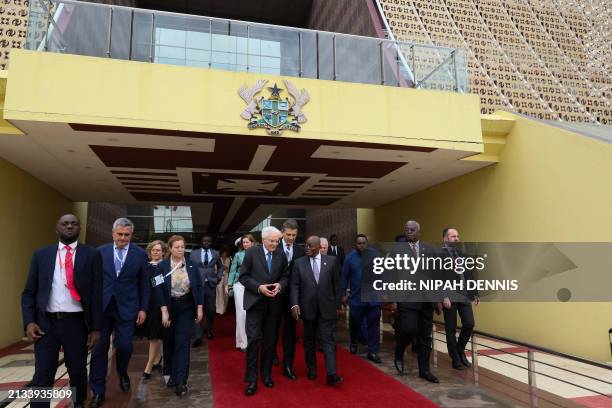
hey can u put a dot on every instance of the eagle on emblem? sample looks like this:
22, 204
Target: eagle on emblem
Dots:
248, 95
300, 98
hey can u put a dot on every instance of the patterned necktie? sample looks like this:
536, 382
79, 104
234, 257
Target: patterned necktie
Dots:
119, 260
315, 269
206, 257
69, 268
269, 261
288, 253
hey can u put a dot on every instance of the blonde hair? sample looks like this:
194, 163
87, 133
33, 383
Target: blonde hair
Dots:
163, 245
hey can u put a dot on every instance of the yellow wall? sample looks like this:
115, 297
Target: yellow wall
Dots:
550, 185
29, 210
128, 93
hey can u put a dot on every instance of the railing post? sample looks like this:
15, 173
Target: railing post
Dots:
49, 17
334, 55
211, 43
300, 52
475, 359
131, 35
382, 63
397, 63
454, 52
414, 71
533, 395
247, 46
317, 47
110, 32
152, 37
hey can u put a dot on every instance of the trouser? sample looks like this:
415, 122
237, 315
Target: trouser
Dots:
357, 313
261, 329
177, 338
69, 332
414, 324
124, 332
289, 338
325, 329
210, 308
454, 346
241, 337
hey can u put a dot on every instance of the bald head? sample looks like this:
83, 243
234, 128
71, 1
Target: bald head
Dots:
68, 228
412, 231
313, 244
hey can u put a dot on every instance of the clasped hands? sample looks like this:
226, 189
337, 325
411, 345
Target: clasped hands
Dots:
269, 289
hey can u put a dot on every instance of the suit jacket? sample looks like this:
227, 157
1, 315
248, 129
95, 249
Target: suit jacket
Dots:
298, 252
339, 256
254, 272
88, 281
466, 295
212, 273
312, 297
162, 292
131, 288
426, 251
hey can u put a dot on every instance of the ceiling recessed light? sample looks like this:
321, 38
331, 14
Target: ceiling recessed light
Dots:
112, 139
335, 152
70, 151
393, 181
188, 144
87, 167
296, 179
417, 168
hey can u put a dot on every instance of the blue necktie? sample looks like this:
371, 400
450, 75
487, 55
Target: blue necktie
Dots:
119, 260
269, 261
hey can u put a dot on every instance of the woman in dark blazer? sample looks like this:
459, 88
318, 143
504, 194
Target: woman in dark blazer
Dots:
180, 301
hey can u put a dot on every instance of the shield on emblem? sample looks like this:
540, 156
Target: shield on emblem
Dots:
275, 112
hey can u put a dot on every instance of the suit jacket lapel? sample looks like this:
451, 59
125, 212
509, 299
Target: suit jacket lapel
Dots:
310, 271
128, 258
79, 262
51, 260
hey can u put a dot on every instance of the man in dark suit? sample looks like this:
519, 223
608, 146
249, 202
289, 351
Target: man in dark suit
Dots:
335, 250
461, 303
315, 297
62, 307
210, 267
292, 253
125, 298
414, 319
263, 274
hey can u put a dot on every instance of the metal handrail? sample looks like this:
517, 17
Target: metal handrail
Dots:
401, 60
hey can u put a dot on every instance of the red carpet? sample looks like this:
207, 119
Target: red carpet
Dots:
364, 385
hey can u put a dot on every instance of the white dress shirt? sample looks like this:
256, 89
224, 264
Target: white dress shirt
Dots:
60, 299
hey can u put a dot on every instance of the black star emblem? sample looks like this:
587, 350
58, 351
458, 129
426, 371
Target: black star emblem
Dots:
275, 91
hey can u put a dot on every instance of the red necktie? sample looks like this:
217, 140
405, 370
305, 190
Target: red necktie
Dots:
70, 275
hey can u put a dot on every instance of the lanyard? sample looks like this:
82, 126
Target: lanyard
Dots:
121, 260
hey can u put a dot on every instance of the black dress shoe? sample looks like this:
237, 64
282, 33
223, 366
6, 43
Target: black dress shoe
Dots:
124, 382
429, 377
288, 372
275, 361
181, 389
334, 379
146, 376
268, 382
458, 365
312, 374
373, 357
97, 400
464, 359
210, 335
399, 365
353, 348
171, 383
197, 343
251, 388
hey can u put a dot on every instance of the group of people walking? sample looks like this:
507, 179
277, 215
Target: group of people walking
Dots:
76, 296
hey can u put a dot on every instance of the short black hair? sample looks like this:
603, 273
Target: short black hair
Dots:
445, 231
290, 224
360, 236
333, 236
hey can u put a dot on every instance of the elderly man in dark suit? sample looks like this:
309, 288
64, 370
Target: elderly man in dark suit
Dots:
315, 297
414, 319
210, 267
62, 307
125, 298
263, 274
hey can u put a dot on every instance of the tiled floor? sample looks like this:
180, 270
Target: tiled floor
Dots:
456, 389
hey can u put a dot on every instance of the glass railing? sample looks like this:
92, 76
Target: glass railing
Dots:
100, 30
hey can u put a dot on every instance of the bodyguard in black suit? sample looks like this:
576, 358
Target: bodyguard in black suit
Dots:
315, 298
263, 273
292, 253
62, 307
414, 319
461, 303
336, 250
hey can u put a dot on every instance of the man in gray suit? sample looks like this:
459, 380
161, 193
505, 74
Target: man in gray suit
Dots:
315, 298
210, 267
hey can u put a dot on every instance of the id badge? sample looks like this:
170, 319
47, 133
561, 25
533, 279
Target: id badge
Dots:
157, 280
